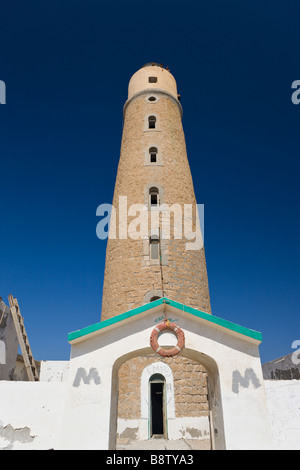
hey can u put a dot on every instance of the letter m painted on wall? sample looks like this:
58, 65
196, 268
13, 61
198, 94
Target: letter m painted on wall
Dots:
244, 381
2, 92
81, 375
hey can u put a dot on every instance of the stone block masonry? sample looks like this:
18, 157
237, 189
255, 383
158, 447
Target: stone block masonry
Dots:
129, 272
190, 387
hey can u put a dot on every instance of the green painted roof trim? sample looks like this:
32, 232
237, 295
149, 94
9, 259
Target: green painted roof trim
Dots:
136, 311
111, 321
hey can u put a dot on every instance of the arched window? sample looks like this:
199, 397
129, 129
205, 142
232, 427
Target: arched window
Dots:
155, 297
151, 122
154, 247
153, 197
153, 154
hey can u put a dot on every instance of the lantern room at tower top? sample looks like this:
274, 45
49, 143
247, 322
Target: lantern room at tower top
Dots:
155, 77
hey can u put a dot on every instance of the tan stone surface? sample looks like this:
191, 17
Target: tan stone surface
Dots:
129, 274
181, 275
190, 386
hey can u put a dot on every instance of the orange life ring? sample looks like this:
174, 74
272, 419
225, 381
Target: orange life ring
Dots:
167, 325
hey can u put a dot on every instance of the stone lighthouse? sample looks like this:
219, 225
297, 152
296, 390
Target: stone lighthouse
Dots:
160, 367
154, 172
160, 371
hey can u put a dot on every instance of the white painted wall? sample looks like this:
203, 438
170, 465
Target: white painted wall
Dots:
39, 406
31, 414
54, 371
179, 428
283, 397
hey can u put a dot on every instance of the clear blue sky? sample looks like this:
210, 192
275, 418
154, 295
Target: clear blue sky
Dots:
66, 65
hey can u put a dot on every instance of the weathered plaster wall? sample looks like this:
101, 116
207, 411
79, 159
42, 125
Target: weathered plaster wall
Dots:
30, 415
283, 398
179, 428
54, 371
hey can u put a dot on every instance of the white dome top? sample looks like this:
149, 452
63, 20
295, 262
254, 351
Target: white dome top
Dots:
152, 76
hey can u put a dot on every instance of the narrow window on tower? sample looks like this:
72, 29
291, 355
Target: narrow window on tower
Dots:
152, 79
153, 197
153, 154
154, 247
151, 122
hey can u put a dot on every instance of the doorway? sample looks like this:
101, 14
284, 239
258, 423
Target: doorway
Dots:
157, 406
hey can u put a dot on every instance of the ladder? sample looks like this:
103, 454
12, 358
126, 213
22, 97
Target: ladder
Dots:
18, 320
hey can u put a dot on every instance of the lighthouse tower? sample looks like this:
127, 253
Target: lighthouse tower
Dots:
154, 172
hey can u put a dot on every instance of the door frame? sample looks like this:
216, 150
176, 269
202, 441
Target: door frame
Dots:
158, 378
